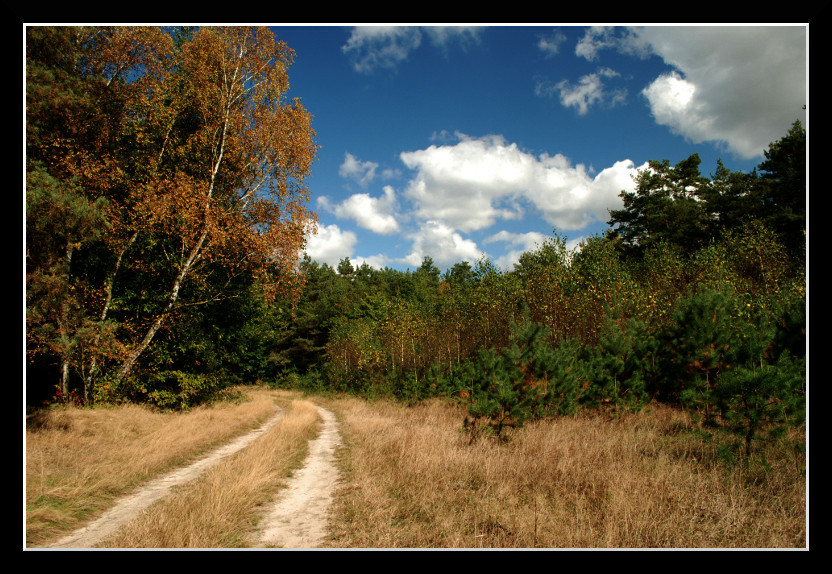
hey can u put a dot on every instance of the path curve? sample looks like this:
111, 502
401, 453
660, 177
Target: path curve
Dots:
298, 517
128, 508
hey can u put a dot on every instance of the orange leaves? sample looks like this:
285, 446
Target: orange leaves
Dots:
233, 154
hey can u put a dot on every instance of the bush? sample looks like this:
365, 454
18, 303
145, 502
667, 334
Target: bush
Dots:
617, 366
528, 379
702, 340
766, 397
180, 390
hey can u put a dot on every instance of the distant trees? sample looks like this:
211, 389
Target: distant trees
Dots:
693, 299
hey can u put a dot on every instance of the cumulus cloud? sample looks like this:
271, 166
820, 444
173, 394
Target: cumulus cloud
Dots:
518, 243
362, 172
741, 87
472, 184
442, 243
330, 245
373, 213
379, 261
461, 183
476, 182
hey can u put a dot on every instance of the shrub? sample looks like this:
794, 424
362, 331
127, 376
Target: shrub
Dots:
616, 367
528, 379
701, 341
770, 397
180, 390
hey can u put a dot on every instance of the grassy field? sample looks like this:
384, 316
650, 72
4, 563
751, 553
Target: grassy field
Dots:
646, 480
412, 479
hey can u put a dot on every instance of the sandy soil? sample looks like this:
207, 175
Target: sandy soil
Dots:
298, 517
128, 508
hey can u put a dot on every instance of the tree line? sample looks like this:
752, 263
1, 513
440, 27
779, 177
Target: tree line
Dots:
165, 220
695, 296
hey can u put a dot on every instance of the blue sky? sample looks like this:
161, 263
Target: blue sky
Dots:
460, 142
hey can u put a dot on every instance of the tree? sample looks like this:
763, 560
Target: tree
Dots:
232, 157
345, 268
784, 188
665, 206
60, 219
76, 94
195, 160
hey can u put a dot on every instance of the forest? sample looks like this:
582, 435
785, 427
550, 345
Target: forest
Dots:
166, 210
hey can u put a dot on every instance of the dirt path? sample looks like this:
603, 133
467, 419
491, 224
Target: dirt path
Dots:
129, 507
298, 517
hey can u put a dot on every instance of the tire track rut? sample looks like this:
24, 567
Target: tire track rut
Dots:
129, 507
298, 517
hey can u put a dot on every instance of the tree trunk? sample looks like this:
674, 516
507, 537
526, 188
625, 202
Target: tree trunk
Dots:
195, 251
62, 327
174, 295
110, 281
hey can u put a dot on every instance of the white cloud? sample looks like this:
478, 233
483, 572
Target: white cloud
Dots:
624, 40
362, 172
519, 243
375, 214
474, 183
742, 87
379, 261
461, 184
330, 245
589, 90
442, 243
550, 45
372, 47
595, 38
443, 36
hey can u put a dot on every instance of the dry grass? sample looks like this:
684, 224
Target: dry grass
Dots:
412, 479
646, 480
79, 460
220, 508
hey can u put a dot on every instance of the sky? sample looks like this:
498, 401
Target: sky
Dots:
467, 142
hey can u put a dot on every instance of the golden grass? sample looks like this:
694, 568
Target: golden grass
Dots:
220, 508
79, 460
646, 480
411, 478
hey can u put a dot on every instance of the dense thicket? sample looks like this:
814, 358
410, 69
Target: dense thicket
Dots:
695, 295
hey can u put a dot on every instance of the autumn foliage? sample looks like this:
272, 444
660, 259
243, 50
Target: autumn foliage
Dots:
165, 170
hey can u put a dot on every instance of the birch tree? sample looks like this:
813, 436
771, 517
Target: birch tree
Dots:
231, 158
